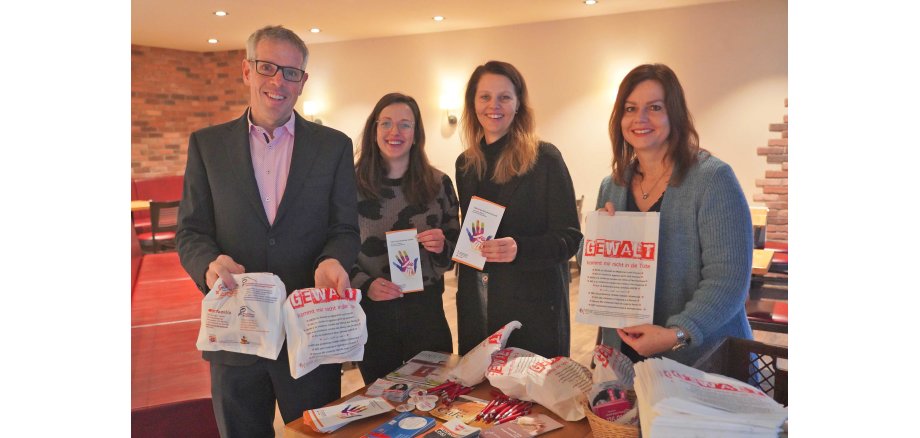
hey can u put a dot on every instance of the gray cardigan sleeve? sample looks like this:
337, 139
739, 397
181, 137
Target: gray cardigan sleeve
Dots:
726, 244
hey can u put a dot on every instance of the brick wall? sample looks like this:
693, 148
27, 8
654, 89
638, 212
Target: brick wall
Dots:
775, 186
173, 93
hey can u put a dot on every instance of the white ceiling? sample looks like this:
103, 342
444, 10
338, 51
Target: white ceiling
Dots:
187, 25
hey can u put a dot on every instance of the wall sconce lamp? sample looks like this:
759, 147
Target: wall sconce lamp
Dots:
310, 109
449, 104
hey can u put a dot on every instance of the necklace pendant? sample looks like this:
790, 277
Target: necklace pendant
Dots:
645, 196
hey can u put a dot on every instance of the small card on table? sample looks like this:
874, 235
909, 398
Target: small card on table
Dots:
405, 268
480, 223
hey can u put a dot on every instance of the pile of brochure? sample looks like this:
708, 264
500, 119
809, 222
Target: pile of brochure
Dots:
426, 369
679, 401
330, 418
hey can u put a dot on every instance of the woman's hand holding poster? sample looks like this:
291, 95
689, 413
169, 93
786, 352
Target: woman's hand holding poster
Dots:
618, 268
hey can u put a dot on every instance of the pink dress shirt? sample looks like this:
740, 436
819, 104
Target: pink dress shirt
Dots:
271, 162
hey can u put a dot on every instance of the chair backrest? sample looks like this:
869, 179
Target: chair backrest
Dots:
161, 188
752, 362
164, 216
163, 219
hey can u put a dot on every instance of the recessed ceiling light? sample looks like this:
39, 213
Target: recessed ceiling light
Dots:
212, 41
221, 13
437, 18
590, 2
314, 30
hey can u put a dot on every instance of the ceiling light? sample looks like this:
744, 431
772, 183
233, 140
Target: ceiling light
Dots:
314, 30
590, 2
221, 13
437, 18
212, 40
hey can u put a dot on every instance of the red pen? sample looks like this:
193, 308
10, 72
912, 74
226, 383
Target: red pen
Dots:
510, 417
498, 414
488, 408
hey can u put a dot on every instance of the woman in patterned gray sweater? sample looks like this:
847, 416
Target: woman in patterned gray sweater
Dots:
398, 189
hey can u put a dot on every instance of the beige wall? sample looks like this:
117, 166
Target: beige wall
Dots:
730, 57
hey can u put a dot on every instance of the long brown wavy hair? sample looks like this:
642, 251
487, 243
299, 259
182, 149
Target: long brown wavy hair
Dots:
521, 153
683, 141
419, 183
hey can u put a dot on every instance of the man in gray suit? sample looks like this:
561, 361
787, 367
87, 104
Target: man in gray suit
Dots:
269, 192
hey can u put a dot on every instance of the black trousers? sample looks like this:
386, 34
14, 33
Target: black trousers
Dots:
399, 329
244, 396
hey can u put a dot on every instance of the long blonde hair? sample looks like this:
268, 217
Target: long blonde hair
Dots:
521, 153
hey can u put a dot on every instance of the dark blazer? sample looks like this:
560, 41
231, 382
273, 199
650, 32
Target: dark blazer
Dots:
542, 218
221, 212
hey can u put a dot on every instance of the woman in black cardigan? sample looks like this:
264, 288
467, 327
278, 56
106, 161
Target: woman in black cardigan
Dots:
525, 277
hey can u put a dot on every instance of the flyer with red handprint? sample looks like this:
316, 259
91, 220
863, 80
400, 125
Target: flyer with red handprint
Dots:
405, 268
480, 223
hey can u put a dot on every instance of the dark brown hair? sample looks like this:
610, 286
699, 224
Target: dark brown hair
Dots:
683, 142
419, 183
521, 154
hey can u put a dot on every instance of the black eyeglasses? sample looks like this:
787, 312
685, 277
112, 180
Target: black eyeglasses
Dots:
266, 68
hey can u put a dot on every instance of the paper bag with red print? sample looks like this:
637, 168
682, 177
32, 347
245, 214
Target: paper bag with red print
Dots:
323, 326
246, 319
472, 367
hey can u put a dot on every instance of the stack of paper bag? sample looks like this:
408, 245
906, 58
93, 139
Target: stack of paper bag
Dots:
679, 401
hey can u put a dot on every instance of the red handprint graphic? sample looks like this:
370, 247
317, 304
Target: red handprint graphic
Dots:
477, 234
404, 264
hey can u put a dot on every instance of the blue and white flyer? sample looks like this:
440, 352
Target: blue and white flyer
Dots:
405, 267
618, 268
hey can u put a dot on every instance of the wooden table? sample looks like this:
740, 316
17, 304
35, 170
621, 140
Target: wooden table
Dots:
297, 428
139, 205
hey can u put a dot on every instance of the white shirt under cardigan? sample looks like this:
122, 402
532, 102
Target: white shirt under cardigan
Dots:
705, 246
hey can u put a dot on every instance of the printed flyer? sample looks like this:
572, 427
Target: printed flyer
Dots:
405, 268
480, 223
618, 268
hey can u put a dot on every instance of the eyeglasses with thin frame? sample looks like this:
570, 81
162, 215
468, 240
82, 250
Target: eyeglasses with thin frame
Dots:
387, 124
266, 68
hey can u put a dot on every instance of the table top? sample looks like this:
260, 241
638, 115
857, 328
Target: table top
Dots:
298, 429
138, 205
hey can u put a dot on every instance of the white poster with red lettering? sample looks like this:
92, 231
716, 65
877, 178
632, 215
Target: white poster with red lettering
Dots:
323, 326
618, 268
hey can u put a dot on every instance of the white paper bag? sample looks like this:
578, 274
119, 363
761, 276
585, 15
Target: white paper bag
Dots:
323, 326
246, 319
558, 384
472, 367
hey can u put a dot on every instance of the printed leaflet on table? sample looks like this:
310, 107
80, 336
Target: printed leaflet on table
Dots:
618, 268
427, 369
333, 417
453, 429
529, 425
405, 269
480, 223
404, 425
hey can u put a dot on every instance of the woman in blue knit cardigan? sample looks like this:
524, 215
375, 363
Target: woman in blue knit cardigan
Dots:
705, 234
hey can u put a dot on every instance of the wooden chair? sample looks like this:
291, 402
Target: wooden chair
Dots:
163, 226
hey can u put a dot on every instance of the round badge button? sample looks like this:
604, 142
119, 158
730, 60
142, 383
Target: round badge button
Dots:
412, 423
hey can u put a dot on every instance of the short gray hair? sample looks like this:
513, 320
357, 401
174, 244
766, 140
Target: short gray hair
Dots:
276, 33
